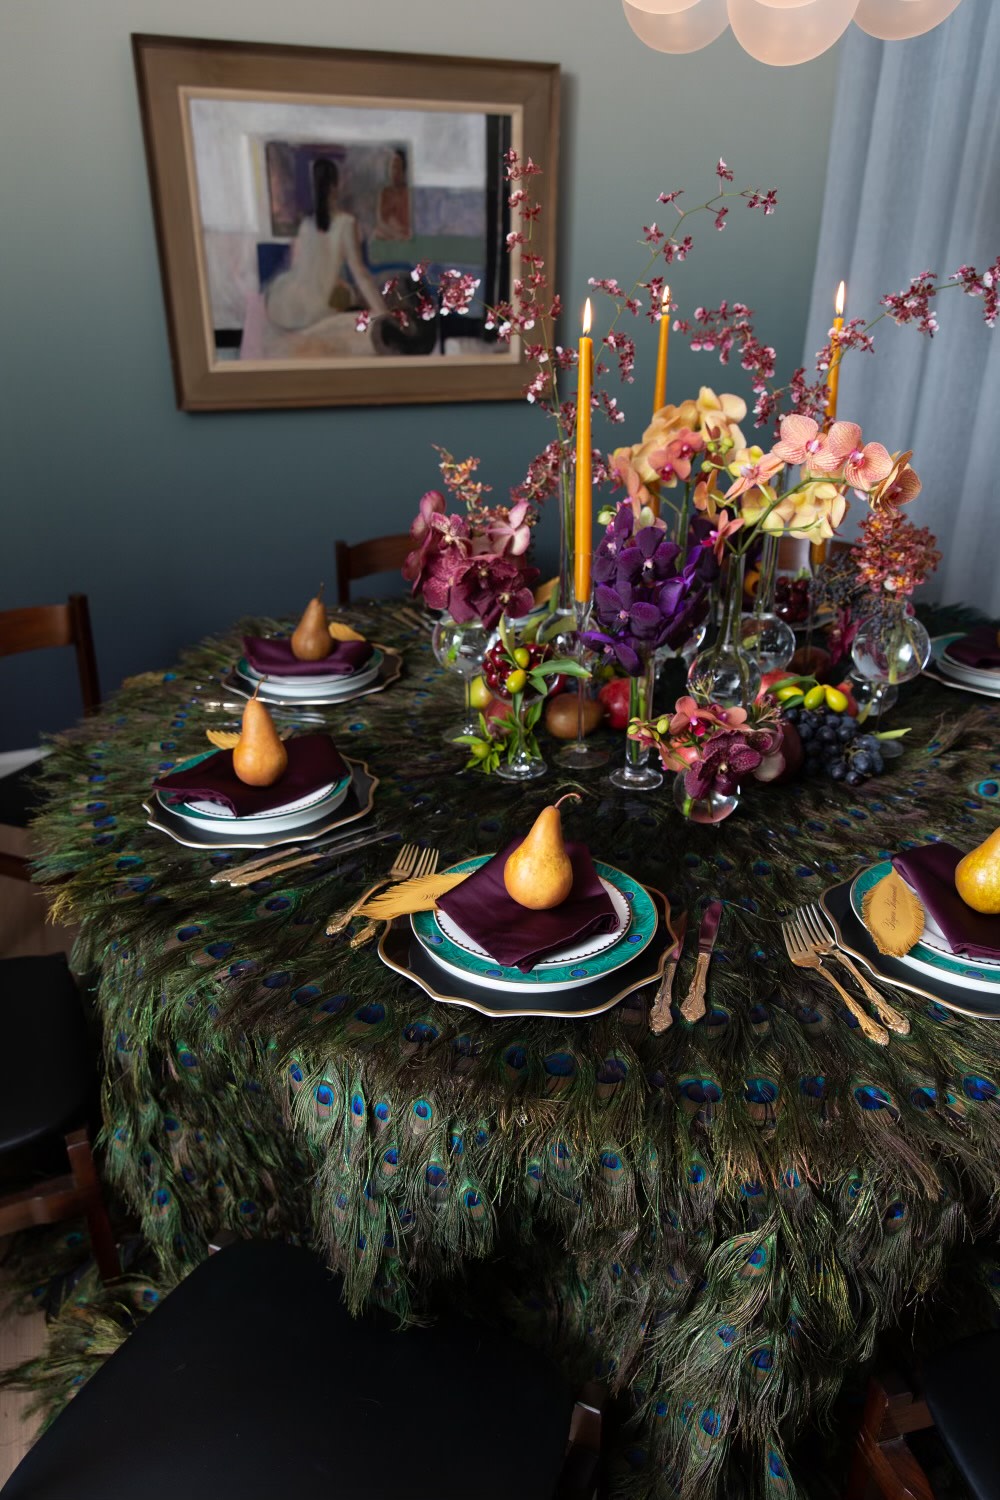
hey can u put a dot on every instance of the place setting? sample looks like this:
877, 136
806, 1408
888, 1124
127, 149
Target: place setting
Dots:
541, 928
970, 662
926, 922
323, 663
258, 789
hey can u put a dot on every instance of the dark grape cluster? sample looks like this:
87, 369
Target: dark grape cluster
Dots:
506, 673
791, 600
834, 744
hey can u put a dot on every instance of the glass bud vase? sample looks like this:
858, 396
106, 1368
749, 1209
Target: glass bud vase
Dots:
891, 645
714, 808
764, 635
637, 775
525, 761
728, 674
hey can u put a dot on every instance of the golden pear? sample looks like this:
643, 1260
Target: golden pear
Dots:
259, 757
977, 876
539, 874
311, 640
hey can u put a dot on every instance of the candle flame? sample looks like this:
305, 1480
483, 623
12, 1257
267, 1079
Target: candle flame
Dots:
665, 301
586, 318
838, 305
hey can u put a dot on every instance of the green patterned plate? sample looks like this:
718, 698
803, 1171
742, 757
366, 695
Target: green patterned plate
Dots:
465, 965
955, 967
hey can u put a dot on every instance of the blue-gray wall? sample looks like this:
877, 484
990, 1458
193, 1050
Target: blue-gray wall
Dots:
169, 521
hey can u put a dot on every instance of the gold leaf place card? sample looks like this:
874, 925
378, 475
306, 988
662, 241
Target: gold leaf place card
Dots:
228, 739
341, 632
409, 896
893, 915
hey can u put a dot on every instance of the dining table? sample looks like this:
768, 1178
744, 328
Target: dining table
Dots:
718, 1221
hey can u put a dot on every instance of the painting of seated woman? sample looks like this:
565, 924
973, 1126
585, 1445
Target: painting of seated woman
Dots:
322, 225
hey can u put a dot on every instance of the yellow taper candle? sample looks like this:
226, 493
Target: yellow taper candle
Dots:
833, 374
583, 527
662, 352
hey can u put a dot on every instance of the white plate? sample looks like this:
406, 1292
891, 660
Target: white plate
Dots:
575, 954
214, 818
330, 685
977, 676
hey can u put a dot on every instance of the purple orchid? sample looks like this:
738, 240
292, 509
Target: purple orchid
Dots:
642, 598
486, 587
727, 760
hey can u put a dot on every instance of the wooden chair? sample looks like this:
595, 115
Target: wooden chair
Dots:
47, 1086
960, 1386
380, 554
252, 1379
35, 629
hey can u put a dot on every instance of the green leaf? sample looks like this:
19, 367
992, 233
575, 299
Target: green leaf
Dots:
892, 734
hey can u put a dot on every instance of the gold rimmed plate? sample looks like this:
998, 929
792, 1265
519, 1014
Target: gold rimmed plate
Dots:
399, 950
390, 668
357, 804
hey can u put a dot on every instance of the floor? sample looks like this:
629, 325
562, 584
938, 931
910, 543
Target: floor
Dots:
21, 1337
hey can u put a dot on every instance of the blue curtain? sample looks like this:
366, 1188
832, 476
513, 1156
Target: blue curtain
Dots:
913, 184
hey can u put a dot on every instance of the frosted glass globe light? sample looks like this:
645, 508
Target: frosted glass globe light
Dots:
894, 20
663, 7
783, 35
679, 31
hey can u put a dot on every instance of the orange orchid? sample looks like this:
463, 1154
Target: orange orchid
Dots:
719, 416
751, 468
862, 465
900, 485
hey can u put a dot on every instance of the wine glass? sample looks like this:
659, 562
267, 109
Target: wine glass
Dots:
460, 648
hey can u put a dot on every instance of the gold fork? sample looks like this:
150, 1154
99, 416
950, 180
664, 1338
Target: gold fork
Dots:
402, 867
817, 933
426, 865
804, 956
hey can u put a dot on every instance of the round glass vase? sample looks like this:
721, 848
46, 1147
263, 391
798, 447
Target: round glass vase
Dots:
891, 645
764, 635
460, 649
637, 775
724, 670
714, 808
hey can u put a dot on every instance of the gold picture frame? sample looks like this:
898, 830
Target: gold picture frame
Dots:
304, 198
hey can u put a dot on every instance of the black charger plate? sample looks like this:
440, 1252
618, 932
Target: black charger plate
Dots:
399, 949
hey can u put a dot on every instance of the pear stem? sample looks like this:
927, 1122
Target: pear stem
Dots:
574, 795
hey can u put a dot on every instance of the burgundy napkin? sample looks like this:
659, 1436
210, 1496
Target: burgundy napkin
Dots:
931, 872
313, 760
512, 934
977, 649
269, 655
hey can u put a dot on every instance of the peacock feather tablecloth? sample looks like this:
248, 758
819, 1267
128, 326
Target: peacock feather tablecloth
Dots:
725, 1217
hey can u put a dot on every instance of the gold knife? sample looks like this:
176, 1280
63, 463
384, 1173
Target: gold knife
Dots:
660, 1015
693, 1004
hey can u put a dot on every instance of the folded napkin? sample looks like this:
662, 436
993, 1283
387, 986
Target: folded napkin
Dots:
512, 934
977, 649
271, 655
313, 761
930, 870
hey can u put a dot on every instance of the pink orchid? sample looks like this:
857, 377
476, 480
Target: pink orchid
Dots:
863, 467
801, 440
752, 470
509, 532
431, 504
674, 461
690, 714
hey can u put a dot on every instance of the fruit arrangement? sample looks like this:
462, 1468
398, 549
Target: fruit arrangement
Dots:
791, 600
835, 745
508, 670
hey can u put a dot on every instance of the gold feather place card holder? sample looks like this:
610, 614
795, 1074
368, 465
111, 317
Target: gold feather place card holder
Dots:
893, 915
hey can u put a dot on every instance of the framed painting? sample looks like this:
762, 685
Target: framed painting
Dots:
317, 209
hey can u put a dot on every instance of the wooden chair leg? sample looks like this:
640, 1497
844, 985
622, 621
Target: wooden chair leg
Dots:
579, 1476
882, 1461
102, 1240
